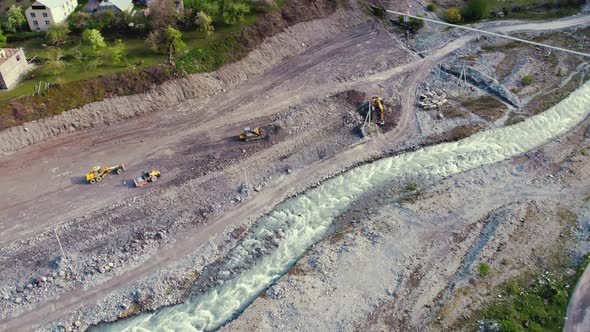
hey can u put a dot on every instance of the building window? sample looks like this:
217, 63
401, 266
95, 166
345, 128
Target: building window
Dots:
35, 23
17, 57
46, 22
38, 7
33, 15
44, 14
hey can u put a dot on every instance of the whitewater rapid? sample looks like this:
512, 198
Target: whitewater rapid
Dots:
305, 219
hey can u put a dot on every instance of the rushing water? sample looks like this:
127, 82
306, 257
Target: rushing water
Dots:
306, 218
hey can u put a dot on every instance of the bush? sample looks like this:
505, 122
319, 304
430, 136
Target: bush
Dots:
411, 187
378, 11
476, 10
526, 80
484, 269
452, 15
431, 7
413, 24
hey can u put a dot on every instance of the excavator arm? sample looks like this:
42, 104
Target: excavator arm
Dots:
377, 102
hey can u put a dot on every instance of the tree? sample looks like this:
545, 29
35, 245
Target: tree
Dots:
122, 19
205, 23
162, 15
153, 40
476, 10
57, 33
173, 42
211, 8
79, 21
15, 18
55, 64
95, 40
234, 12
2, 39
452, 15
119, 52
105, 19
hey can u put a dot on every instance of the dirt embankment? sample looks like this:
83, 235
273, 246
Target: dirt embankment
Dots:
293, 39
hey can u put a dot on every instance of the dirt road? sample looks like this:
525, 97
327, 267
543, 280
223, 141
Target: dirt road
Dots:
44, 186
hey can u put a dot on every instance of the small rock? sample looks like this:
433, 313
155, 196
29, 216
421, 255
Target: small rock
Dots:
77, 323
18, 300
289, 171
29, 286
44, 279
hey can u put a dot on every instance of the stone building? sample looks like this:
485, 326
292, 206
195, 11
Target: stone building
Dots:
13, 65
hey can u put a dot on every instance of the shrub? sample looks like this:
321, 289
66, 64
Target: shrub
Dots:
431, 7
484, 269
476, 10
452, 15
411, 187
526, 80
378, 11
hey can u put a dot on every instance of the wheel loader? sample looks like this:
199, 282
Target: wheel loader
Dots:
98, 173
250, 134
147, 176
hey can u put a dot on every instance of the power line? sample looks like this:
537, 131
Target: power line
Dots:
490, 33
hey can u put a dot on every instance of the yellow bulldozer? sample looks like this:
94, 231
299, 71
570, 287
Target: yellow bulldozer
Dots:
250, 134
98, 173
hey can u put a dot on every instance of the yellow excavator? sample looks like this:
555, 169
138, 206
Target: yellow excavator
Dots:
377, 103
98, 173
252, 134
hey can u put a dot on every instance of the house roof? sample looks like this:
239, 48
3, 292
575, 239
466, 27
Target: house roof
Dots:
51, 3
8, 53
121, 4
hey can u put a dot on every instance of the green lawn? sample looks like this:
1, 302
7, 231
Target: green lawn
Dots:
138, 55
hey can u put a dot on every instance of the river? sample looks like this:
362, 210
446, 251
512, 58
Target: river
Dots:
305, 219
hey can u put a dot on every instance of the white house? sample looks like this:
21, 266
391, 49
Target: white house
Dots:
44, 12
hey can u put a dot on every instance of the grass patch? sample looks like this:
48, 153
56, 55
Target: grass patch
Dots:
536, 303
484, 269
487, 107
546, 101
526, 80
411, 187
452, 112
453, 135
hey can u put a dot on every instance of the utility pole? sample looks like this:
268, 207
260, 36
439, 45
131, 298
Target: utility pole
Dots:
63, 254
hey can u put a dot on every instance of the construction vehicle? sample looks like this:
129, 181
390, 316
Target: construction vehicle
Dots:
377, 103
252, 134
98, 173
147, 176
